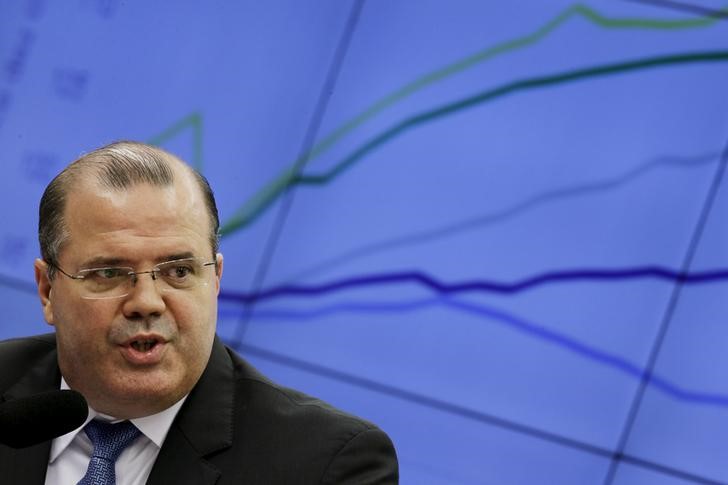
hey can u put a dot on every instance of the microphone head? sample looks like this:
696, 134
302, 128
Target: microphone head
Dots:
41, 417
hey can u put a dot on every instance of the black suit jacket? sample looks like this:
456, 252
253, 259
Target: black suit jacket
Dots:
236, 427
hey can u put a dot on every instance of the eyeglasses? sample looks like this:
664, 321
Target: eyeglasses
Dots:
117, 282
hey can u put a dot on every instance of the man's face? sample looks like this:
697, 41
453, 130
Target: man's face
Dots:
98, 339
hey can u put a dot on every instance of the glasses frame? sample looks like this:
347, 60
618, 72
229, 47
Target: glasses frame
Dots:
132, 275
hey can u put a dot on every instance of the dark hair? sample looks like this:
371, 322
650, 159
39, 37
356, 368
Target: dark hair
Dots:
119, 165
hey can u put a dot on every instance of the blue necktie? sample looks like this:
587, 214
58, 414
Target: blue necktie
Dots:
109, 441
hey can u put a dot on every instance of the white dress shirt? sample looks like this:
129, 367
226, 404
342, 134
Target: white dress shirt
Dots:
71, 453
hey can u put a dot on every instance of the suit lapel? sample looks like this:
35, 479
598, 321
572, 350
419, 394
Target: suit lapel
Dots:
202, 427
28, 465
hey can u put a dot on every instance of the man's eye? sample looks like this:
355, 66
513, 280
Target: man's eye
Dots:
107, 273
178, 271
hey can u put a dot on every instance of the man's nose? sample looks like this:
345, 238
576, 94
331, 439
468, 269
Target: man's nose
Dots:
145, 297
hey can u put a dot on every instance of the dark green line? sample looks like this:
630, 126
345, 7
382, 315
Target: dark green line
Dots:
576, 10
289, 179
490, 95
272, 190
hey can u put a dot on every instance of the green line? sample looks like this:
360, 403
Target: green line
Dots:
503, 48
242, 219
272, 190
192, 120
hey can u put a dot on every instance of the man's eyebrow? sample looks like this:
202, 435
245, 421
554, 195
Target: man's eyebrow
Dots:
104, 261
176, 256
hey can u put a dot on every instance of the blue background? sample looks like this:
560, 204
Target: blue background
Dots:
370, 158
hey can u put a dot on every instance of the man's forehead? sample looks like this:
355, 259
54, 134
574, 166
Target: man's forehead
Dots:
156, 213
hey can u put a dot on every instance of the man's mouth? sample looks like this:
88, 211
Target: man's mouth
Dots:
144, 345
144, 349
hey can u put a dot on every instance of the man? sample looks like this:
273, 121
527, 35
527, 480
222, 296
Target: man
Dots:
129, 279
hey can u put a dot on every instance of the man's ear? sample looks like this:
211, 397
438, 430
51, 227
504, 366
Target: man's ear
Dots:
218, 272
44, 289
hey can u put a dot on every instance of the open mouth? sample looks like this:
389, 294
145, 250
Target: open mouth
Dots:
144, 345
144, 349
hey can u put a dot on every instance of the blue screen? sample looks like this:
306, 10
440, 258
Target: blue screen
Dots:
498, 230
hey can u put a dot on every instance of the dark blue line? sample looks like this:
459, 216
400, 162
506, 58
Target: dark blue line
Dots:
488, 286
532, 329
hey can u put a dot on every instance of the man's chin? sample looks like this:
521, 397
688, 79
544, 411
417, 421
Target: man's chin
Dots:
136, 400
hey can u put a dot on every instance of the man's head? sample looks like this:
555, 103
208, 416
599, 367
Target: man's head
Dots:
119, 165
136, 351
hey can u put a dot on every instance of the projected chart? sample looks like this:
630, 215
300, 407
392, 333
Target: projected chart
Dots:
497, 230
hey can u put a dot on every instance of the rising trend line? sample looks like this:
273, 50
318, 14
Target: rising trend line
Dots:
269, 193
501, 215
484, 286
576, 10
532, 329
192, 121
249, 212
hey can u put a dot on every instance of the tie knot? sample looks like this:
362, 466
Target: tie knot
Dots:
109, 439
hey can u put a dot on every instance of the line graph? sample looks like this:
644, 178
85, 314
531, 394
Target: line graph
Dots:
287, 178
480, 232
635, 372
501, 215
532, 329
253, 209
488, 312
577, 10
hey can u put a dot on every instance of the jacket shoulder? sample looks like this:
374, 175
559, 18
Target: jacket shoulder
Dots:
16, 354
285, 402
323, 443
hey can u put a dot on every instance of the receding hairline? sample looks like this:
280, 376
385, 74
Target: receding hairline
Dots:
95, 164
90, 172
117, 167
90, 179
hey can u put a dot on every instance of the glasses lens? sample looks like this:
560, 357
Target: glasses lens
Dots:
105, 282
181, 274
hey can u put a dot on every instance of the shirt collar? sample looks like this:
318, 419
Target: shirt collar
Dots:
154, 427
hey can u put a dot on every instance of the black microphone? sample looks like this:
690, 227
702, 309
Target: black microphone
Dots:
41, 417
